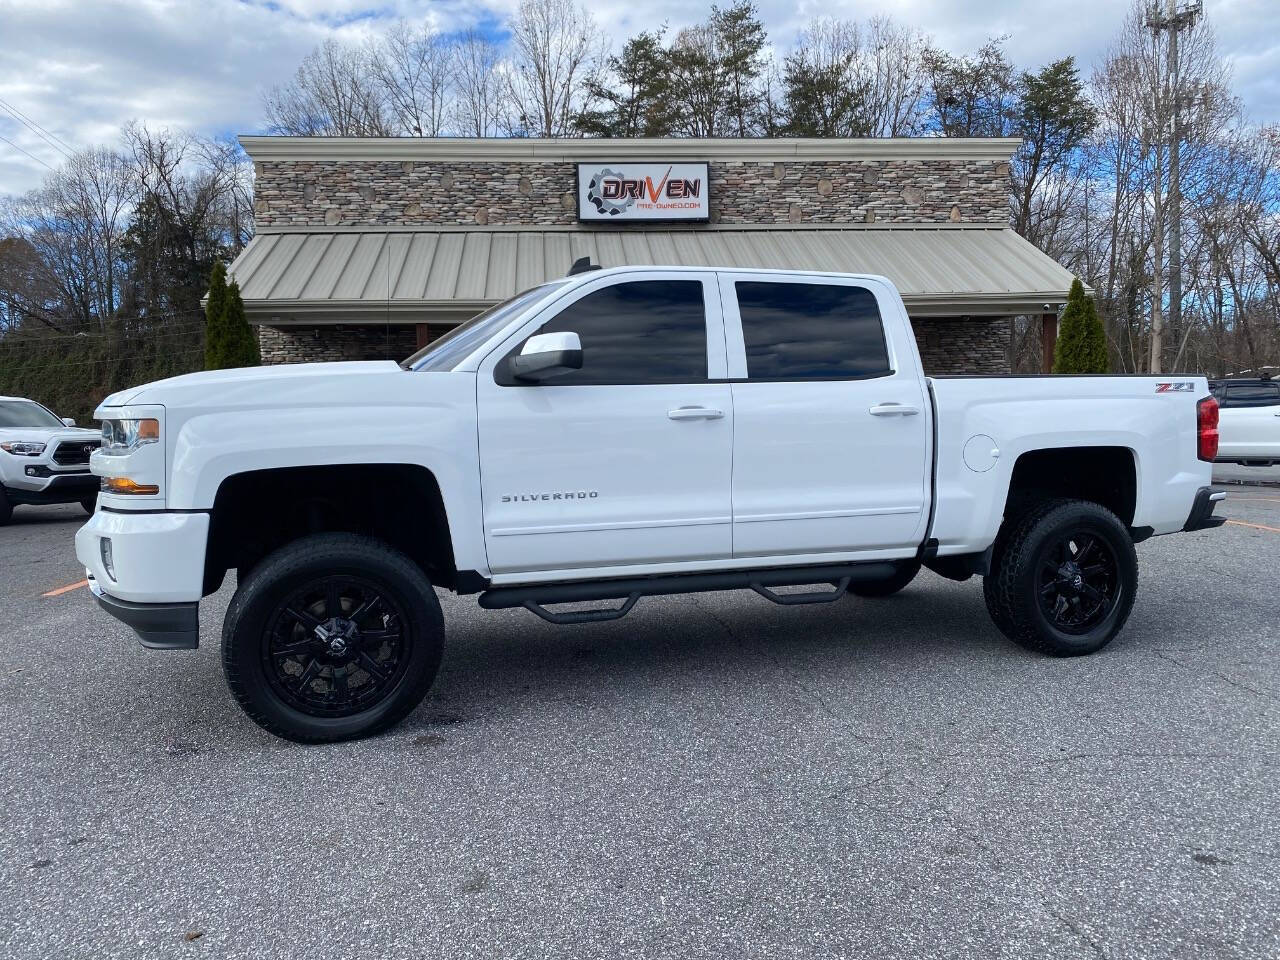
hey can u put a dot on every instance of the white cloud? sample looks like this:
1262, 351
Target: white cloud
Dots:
83, 69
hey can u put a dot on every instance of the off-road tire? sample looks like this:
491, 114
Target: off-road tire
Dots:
907, 570
1016, 516
245, 633
6, 508
90, 504
1011, 590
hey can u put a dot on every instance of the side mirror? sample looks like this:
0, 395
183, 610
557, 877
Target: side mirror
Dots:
547, 355
69, 421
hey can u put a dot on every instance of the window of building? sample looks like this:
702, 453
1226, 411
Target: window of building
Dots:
811, 331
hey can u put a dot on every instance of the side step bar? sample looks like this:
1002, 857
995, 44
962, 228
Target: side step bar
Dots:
535, 597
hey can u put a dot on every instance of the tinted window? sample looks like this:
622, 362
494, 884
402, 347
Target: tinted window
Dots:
1252, 394
645, 331
811, 331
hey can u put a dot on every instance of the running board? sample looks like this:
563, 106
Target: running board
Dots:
535, 597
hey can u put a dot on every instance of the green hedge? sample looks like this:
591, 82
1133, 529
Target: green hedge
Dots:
71, 373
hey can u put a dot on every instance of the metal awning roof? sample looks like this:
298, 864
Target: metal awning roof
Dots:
314, 276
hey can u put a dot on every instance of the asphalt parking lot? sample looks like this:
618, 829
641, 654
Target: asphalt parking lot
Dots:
712, 776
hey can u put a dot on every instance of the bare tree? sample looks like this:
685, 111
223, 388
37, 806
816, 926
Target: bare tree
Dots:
413, 65
179, 225
477, 83
335, 93
851, 79
892, 64
1135, 106
556, 50
70, 230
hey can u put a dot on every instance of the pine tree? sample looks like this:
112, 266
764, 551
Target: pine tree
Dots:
1082, 344
241, 345
215, 309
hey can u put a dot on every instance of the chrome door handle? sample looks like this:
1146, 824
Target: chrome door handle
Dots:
694, 413
893, 410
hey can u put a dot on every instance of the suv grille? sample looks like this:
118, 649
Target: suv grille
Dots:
71, 452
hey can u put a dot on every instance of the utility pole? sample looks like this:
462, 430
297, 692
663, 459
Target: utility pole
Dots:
1175, 18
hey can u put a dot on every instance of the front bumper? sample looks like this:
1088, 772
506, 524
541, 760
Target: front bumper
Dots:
155, 557
56, 488
1201, 516
159, 626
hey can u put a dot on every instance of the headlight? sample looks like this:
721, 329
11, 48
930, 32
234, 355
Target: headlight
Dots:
23, 449
124, 436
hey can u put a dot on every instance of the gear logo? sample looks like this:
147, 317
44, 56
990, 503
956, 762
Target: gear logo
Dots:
612, 206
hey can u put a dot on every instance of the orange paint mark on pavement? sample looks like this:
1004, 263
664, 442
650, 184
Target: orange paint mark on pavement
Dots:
67, 589
1256, 526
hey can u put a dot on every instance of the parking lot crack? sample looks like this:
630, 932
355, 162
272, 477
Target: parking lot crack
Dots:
1231, 682
1079, 931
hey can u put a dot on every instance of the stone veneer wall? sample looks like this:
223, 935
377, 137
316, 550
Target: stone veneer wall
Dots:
947, 345
963, 344
313, 344
410, 193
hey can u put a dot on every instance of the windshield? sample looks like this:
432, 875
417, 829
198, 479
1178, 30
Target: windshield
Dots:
448, 350
26, 413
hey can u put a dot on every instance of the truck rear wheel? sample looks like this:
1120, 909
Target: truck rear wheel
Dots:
1063, 580
332, 637
6, 508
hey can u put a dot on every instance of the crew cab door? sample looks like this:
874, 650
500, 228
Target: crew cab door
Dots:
831, 419
625, 461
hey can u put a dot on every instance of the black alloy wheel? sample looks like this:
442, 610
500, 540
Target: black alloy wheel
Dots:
331, 637
1078, 581
336, 646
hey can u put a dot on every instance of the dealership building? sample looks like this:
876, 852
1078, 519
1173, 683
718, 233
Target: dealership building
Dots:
370, 248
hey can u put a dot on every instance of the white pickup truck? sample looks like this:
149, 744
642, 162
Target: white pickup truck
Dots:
617, 434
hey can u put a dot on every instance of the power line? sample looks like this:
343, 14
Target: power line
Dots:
36, 131
27, 152
47, 134
157, 332
121, 358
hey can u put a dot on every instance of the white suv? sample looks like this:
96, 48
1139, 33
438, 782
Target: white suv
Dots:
43, 459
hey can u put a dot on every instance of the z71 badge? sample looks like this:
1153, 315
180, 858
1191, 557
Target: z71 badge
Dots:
1182, 386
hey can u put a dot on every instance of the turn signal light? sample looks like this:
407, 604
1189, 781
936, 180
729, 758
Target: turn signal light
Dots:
1207, 428
126, 486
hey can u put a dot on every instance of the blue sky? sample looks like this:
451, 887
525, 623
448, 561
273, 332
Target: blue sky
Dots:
82, 69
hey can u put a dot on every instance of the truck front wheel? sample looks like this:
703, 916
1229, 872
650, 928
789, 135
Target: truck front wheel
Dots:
332, 637
1063, 579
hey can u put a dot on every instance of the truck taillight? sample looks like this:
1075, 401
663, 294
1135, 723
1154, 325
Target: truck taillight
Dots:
1207, 428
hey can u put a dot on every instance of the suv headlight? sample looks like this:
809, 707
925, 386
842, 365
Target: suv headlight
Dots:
120, 437
23, 449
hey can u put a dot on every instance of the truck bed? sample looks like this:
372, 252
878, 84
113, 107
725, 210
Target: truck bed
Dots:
983, 424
